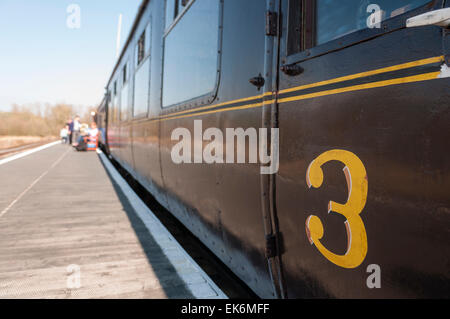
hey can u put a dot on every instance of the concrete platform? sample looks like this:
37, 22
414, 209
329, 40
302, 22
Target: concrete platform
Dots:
70, 227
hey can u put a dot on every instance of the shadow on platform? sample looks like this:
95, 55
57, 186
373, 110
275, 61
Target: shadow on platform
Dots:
177, 287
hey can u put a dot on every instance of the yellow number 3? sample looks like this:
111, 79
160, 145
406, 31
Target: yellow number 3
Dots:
356, 176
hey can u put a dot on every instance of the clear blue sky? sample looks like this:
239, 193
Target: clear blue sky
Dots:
44, 61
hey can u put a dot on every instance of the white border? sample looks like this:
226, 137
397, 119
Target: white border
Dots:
26, 153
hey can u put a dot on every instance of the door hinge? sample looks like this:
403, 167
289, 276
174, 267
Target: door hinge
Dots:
274, 245
271, 246
271, 23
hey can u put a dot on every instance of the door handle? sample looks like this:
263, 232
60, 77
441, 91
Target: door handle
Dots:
439, 17
292, 69
258, 81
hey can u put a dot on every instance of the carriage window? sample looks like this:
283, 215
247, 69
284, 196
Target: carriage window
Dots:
295, 30
124, 107
148, 39
142, 75
124, 95
191, 54
124, 74
140, 49
173, 9
114, 104
141, 89
143, 45
170, 12
325, 20
335, 19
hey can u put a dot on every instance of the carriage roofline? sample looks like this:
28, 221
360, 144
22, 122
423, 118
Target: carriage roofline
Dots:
141, 10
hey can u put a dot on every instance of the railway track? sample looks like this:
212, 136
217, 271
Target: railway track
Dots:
17, 149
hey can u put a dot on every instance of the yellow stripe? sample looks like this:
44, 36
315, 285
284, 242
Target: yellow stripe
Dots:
416, 78
217, 105
410, 79
242, 107
368, 73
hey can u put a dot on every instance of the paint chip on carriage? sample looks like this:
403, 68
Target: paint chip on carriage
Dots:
445, 71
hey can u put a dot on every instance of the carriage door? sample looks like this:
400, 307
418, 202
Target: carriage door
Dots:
363, 87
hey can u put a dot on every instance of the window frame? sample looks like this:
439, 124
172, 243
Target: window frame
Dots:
138, 48
204, 99
114, 102
310, 51
125, 73
125, 76
177, 12
147, 32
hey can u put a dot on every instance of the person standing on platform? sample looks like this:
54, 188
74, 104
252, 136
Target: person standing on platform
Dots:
64, 134
70, 128
76, 130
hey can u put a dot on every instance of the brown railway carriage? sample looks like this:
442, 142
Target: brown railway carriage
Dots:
359, 206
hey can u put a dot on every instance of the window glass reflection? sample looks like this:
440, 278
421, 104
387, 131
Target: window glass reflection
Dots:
170, 11
338, 18
115, 109
141, 89
140, 49
124, 107
148, 34
191, 54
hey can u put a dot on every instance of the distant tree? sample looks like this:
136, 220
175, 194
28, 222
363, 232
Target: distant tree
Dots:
56, 116
36, 120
